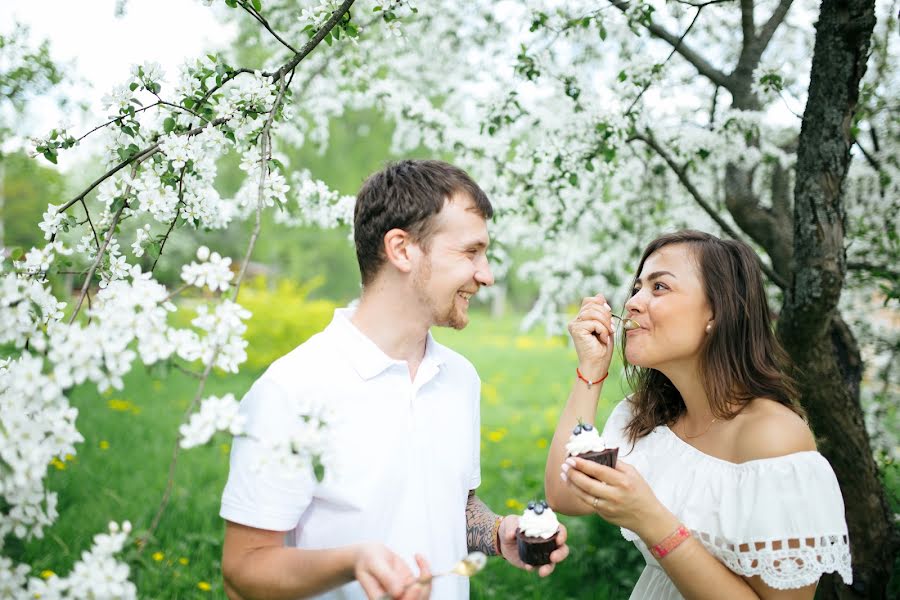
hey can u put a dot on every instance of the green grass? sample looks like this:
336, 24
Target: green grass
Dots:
121, 469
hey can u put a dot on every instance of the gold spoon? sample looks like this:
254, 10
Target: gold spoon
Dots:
627, 324
468, 566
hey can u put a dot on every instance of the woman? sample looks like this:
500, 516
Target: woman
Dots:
721, 487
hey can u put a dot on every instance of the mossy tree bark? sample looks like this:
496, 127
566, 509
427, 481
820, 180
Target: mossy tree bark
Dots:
810, 326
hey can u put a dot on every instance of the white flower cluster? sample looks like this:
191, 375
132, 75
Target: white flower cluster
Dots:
245, 108
98, 575
213, 271
309, 442
215, 414
52, 221
317, 204
224, 329
36, 426
179, 149
26, 306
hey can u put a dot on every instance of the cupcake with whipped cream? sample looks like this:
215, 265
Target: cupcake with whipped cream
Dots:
586, 443
536, 534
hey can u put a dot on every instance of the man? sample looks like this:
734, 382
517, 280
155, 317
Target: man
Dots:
407, 435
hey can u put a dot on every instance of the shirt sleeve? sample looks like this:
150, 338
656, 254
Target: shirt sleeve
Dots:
475, 480
259, 492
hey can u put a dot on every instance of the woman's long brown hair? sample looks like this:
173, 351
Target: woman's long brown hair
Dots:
740, 359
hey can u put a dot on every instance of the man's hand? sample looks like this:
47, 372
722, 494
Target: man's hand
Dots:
381, 573
510, 548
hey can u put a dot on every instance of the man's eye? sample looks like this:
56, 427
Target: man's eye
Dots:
660, 286
635, 290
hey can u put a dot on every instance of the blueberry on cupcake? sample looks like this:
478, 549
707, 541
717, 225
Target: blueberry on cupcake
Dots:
536, 534
586, 443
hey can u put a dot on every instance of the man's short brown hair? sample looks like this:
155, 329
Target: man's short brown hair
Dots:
407, 195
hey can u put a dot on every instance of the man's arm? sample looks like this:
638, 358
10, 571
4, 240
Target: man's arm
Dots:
481, 536
257, 566
480, 532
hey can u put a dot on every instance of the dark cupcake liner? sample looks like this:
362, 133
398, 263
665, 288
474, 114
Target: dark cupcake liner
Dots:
535, 551
604, 457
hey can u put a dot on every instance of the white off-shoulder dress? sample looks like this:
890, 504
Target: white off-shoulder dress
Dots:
780, 518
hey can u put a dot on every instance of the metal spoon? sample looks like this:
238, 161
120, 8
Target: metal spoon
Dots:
468, 566
627, 324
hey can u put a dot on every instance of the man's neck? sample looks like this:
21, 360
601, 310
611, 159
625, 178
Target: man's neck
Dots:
394, 325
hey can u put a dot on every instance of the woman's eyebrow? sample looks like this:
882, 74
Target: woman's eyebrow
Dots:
657, 275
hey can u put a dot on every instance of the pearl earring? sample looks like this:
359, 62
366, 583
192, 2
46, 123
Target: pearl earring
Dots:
708, 327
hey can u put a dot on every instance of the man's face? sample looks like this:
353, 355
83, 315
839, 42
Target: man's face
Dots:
455, 265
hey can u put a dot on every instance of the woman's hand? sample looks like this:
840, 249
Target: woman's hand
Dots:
592, 333
621, 496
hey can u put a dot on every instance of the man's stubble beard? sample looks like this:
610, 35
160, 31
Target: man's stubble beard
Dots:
451, 317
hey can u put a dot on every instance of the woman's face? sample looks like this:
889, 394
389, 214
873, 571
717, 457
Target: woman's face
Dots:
669, 304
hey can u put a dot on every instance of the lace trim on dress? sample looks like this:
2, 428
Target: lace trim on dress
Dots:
782, 564
785, 564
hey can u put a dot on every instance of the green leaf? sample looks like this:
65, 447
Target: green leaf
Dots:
16, 253
231, 3
257, 5
168, 124
328, 39
50, 155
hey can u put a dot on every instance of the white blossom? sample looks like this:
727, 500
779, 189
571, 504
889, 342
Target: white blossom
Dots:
215, 414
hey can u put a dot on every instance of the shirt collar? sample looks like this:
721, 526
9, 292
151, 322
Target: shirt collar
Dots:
366, 358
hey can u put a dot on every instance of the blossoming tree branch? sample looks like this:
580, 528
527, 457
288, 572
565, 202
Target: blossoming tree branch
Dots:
161, 150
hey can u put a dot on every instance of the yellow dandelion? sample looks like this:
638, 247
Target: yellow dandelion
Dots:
204, 586
514, 504
525, 343
542, 443
47, 574
69, 457
491, 396
497, 435
505, 463
119, 405
104, 445
183, 560
60, 465
157, 556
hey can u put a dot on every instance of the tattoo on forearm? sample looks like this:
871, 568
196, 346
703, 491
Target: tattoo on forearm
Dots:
480, 526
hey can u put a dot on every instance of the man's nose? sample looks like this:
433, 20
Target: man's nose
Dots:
483, 275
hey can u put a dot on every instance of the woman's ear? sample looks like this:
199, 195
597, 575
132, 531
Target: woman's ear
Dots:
398, 249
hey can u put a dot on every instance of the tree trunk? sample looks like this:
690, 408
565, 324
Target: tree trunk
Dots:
810, 327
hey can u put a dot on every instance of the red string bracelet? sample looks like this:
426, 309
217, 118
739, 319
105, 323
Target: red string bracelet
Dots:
589, 383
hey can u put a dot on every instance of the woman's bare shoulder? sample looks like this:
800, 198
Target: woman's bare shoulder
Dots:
769, 429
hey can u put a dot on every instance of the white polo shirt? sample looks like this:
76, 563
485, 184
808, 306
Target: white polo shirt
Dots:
407, 452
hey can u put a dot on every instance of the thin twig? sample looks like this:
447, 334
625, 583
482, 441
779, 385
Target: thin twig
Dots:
116, 119
88, 216
100, 253
681, 173
137, 158
264, 23
170, 483
175, 220
671, 54
336, 16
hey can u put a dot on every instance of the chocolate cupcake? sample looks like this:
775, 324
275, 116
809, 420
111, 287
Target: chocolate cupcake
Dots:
536, 534
586, 443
